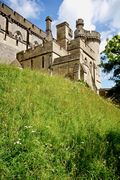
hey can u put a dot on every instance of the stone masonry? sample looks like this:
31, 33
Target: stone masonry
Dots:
72, 56
17, 34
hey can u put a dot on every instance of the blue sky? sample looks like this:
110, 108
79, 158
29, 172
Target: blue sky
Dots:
100, 15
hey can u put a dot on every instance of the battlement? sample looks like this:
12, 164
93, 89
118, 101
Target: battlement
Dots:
13, 16
44, 48
84, 34
34, 52
93, 35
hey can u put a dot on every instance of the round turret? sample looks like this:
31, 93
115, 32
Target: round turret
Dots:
80, 32
93, 35
79, 23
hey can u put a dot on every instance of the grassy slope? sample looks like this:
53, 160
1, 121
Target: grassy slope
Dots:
52, 128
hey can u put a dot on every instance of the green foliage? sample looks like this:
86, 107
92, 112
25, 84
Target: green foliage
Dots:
52, 128
112, 53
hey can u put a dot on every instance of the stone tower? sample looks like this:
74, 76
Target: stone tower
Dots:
64, 34
90, 40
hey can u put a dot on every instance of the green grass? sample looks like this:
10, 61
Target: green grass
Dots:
52, 128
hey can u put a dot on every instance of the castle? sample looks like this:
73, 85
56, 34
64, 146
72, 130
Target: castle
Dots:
75, 57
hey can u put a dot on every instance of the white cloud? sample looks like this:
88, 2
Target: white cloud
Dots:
107, 11
101, 10
94, 13
71, 10
27, 8
105, 35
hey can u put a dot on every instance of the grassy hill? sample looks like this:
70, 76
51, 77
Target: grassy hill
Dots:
52, 128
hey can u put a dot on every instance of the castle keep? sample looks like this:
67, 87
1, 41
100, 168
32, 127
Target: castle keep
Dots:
72, 55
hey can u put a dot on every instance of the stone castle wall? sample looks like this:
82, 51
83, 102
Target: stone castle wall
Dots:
46, 52
74, 57
16, 34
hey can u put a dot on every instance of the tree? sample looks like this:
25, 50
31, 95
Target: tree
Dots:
111, 63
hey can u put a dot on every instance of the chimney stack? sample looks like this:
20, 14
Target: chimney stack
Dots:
48, 28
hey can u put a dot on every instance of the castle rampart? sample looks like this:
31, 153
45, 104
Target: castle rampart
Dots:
16, 18
17, 33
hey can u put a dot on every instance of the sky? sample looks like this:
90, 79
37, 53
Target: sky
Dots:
100, 15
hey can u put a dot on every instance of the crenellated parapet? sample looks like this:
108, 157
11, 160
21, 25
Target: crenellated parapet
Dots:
35, 52
14, 17
93, 35
18, 33
42, 49
84, 34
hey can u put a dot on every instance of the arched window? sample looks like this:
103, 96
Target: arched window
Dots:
18, 36
43, 63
